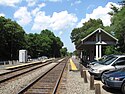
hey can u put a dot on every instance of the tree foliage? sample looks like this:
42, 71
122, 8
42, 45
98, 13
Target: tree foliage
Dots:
117, 29
78, 33
118, 26
44, 44
11, 39
63, 52
114, 10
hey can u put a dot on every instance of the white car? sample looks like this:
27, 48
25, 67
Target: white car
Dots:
114, 62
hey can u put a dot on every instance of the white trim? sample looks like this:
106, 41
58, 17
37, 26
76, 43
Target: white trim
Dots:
96, 31
100, 51
109, 34
89, 35
97, 53
98, 43
81, 54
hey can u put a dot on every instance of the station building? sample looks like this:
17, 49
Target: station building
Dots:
91, 46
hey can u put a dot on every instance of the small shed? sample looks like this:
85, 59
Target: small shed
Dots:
90, 47
23, 56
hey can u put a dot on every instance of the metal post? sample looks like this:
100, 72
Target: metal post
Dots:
85, 77
81, 71
92, 83
97, 89
82, 76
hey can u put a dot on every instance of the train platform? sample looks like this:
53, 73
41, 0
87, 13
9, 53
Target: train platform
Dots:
75, 83
73, 65
8, 67
3, 68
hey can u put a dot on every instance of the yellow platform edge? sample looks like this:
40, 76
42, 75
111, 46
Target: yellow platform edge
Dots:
73, 66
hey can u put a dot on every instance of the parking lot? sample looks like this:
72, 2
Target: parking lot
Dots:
104, 89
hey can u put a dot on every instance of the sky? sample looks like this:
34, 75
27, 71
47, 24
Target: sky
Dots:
59, 16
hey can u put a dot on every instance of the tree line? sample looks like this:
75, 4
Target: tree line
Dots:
117, 29
13, 38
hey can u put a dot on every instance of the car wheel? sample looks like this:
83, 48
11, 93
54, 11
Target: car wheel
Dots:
123, 88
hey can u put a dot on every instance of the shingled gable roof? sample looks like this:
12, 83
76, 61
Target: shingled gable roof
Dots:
99, 29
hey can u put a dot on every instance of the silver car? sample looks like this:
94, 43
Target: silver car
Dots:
114, 62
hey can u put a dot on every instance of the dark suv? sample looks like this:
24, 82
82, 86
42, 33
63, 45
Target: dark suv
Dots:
115, 79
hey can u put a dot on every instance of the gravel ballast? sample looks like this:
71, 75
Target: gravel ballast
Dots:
76, 85
16, 85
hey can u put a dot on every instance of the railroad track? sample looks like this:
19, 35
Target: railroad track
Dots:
47, 83
20, 71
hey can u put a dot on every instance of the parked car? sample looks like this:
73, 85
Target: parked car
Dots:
111, 63
94, 62
115, 79
42, 58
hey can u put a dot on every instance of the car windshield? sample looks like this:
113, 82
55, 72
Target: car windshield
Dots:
108, 60
104, 58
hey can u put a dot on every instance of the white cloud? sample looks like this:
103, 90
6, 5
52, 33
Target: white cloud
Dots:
41, 21
62, 20
1, 14
100, 12
9, 2
31, 2
58, 21
23, 16
37, 9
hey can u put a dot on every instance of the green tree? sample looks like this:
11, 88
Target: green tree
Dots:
64, 52
75, 34
11, 39
54, 44
57, 45
33, 42
118, 26
111, 50
114, 11
88, 27
43, 44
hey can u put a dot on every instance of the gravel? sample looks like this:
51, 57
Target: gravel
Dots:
76, 85
16, 85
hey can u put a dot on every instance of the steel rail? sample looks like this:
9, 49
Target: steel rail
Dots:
38, 78
2, 80
58, 81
